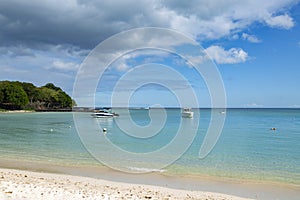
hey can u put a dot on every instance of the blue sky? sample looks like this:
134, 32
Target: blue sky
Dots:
255, 45
271, 75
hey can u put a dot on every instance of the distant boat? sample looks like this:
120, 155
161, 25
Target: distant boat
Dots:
143, 108
187, 113
104, 114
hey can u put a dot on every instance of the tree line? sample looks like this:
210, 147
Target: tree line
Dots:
15, 95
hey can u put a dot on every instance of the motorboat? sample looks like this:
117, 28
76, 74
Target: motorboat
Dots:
187, 113
103, 114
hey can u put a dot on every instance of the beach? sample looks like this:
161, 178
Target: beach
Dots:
149, 100
17, 111
18, 184
108, 184
43, 157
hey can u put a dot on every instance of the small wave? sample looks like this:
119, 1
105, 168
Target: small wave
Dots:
142, 169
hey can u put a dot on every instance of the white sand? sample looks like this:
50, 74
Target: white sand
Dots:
17, 111
17, 185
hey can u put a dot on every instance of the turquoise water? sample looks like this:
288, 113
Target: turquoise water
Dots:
246, 149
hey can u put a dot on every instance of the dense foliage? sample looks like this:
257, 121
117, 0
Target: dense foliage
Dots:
20, 95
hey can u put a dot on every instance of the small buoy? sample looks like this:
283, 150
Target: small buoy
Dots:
104, 130
273, 129
51, 130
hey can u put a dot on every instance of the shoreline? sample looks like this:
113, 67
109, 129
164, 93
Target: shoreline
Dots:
93, 170
34, 111
16, 111
232, 187
18, 184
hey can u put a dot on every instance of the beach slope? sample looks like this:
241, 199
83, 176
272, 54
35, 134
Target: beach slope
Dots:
18, 184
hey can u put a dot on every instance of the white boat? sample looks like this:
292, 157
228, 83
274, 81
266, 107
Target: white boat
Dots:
103, 114
187, 113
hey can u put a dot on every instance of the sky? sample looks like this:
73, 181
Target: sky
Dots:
254, 44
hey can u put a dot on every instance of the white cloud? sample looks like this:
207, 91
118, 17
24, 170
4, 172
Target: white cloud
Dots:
47, 38
16, 51
215, 19
196, 59
250, 38
280, 21
86, 23
10, 69
231, 56
235, 37
47, 63
121, 65
65, 66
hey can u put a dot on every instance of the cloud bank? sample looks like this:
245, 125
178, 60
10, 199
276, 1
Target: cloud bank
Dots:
54, 37
86, 23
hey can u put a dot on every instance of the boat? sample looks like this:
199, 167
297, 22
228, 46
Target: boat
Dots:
187, 113
104, 114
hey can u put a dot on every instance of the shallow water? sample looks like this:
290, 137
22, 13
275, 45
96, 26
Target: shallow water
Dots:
246, 149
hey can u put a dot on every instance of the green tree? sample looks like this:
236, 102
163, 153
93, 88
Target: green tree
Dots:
47, 97
56, 97
1, 95
14, 97
52, 86
64, 100
31, 91
74, 103
18, 95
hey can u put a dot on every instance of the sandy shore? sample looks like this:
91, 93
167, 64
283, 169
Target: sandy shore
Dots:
17, 111
18, 184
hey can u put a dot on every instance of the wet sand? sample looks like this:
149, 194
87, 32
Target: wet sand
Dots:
151, 183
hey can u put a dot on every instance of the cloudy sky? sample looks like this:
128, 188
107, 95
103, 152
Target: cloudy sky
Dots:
255, 44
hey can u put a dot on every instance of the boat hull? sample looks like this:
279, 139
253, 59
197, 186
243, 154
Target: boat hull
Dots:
187, 114
103, 115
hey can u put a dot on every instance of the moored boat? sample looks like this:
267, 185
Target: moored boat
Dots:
187, 113
103, 114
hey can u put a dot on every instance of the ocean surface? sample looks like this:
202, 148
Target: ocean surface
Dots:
247, 148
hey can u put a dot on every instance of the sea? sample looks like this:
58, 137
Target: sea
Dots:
253, 144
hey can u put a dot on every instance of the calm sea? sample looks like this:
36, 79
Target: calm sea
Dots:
247, 148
